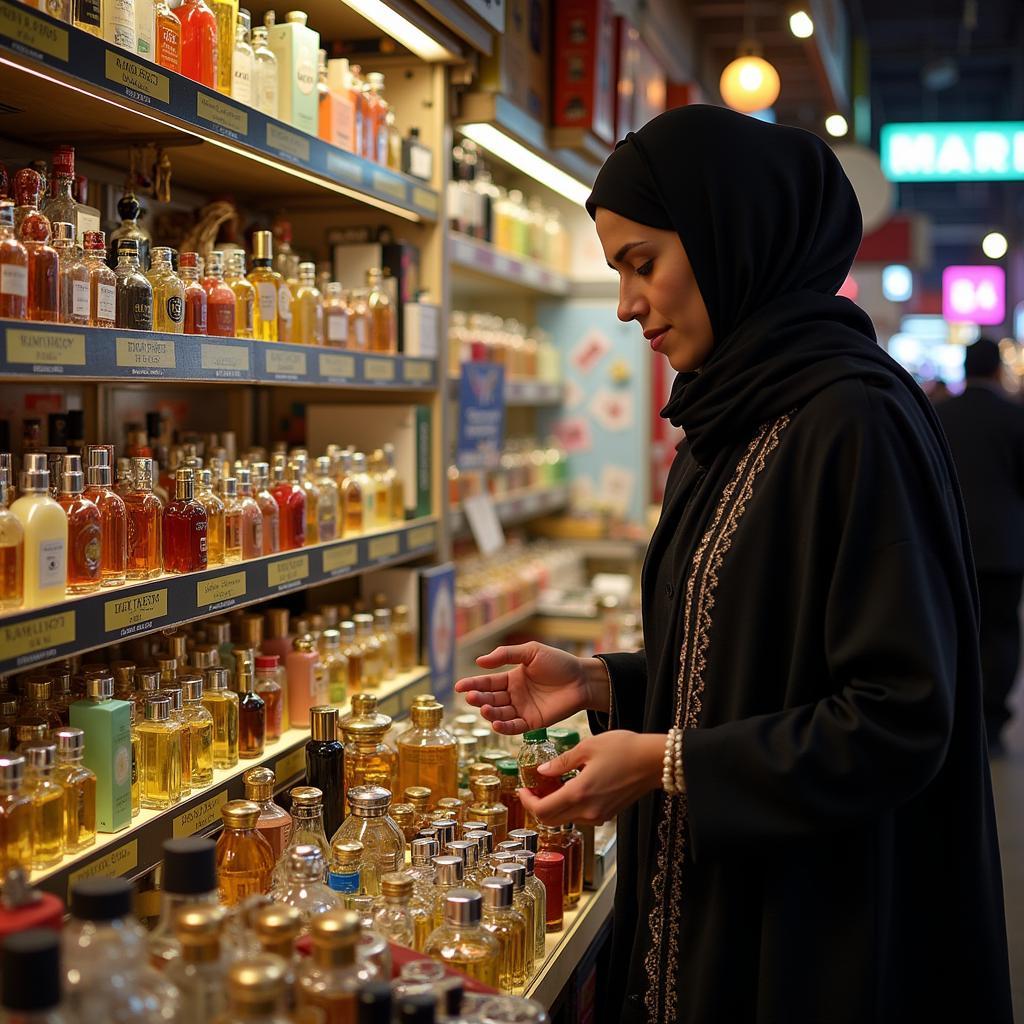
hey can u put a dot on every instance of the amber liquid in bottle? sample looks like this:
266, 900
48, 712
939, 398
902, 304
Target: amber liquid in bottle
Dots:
245, 861
159, 756
15, 818
214, 518
79, 785
145, 514
222, 704
252, 724
85, 539
184, 528
428, 754
113, 517
47, 799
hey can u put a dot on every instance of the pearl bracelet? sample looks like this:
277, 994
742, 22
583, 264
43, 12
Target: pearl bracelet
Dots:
672, 764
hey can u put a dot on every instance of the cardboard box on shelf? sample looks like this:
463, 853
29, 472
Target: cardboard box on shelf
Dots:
584, 87
518, 67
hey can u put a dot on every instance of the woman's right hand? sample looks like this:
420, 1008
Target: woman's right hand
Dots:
543, 686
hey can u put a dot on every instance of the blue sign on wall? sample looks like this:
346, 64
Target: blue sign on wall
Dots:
481, 415
437, 596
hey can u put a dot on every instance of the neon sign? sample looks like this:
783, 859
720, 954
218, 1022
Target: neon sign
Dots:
974, 295
953, 151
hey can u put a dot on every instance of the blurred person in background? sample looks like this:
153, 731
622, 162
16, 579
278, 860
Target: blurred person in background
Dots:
985, 428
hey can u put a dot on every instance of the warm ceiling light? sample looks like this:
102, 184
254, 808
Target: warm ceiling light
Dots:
504, 147
994, 245
403, 31
749, 83
801, 25
836, 126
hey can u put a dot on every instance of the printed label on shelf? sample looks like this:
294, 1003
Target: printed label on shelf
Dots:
379, 369
424, 198
344, 165
393, 187
127, 612
222, 591
111, 865
288, 571
337, 366
199, 817
291, 765
45, 348
37, 636
33, 32
484, 523
224, 359
288, 142
145, 354
137, 77
344, 556
289, 364
235, 122
422, 536
417, 370
383, 547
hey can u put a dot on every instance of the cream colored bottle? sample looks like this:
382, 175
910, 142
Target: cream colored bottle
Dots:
46, 535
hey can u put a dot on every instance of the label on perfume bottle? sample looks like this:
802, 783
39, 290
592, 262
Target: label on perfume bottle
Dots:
145, 354
336, 366
337, 328
199, 817
341, 557
140, 81
80, 298
106, 302
422, 536
383, 547
292, 364
111, 865
127, 613
52, 562
14, 281
45, 348
287, 142
234, 122
222, 591
291, 766
35, 638
379, 369
288, 572
266, 295
225, 360
175, 307
284, 303
33, 32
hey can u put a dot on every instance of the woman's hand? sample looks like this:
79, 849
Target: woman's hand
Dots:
545, 686
616, 769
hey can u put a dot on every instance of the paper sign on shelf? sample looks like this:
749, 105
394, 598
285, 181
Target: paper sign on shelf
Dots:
484, 523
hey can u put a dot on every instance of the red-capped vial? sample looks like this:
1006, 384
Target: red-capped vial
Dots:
550, 870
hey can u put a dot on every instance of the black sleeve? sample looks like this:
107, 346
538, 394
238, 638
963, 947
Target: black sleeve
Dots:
879, 733
628, 676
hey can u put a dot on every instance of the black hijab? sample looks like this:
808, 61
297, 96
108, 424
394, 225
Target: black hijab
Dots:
771, 225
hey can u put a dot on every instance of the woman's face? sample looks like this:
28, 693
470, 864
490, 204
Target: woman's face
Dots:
657, 289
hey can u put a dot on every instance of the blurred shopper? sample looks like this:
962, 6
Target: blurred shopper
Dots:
797, 758
985, 428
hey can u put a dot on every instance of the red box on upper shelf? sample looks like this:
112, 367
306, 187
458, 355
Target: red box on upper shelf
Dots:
584, 84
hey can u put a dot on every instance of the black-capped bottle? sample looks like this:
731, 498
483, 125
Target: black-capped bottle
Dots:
189, 880
325, 764
32, 983
134, 296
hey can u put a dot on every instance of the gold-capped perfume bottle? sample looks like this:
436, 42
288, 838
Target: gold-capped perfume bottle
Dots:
427, 752
222, 703
245, 861
160, 748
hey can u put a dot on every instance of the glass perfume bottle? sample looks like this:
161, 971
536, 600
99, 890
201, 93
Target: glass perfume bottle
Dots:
168, 292
359, 320
325, 764
34, 232
336, 316
307, 823
232, 521
134, 293
252, 714
13, 268
220, 299
508, 926
47, 798
85, 545
306, 680
536, 750
392, 918
73, 276
245, 861
198, 973
302, 885
352, 504
199, 50
344, 872
102, 281
263, 277
307, 308
274, 822
160, 755
184, 527
297, 473
551, 868
335, 665
381, 313
113, 517
291, 504
210, 501
250, 515
395, 486
388, 642
268, 508
79, 787
354, 652
405, 638
369, 761
328, 503
528, 902
226, 14
188, 882
265, 90
268, 686
15, 815
145, 514
44, 529
256, 988
331, 978
129, 210
222, 703
277, 928
427, 752
235, 279
372, 659
32, 979
199, 723
242, 59
191, 266
461, 943
168, 36
487, 806
370, 824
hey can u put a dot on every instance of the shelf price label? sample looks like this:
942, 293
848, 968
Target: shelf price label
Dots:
283, 363
379, 369
234, 122
224, 360
337, 367
383, 547
340, 557
33, 32
145, 357
139, 81
32, 639
45, 349
425, 199
287, 142
288, 572
201, 816
422, 536
111, 865
128, 614
418, 371
291, 765
393, 187
221, 592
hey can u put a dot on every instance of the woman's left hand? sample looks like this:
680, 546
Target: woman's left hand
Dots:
616, 769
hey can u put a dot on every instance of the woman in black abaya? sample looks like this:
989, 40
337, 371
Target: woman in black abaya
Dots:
810, 624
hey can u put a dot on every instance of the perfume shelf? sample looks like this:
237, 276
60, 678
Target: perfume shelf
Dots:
480, 269
80, 624
60, 82
520, 507
529, 393
137, 849
492, 631
68, 352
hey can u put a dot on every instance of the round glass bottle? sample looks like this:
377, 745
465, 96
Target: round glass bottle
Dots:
370, 824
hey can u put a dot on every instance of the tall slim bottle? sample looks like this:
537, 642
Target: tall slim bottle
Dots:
268, 509
145, 523
79, 785
167, 37
251, 516
325, 765
45, 528
13, 268
168, 292
268, 283
160, 741
252, 714
85, 531
184, 527
33, 230
222, 703
226, 13
274, 822
291, 503
245, 293
307, 309
264, 88
242, 62
232, 521
47, 799
220, 299
198, 721
102, 282
195, 294
214, 517
72, 275
113, 517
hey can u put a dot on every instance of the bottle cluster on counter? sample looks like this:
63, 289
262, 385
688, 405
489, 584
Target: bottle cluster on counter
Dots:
76, 530
524, 466
526, 354
513, 224
55, 269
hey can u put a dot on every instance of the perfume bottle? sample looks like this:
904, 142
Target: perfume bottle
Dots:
47, 798
214, 506
461, 943
336, 316
307, 309
404, 637
145, 514
381, 313
268, 508
113, 517
291, 504
297, 473
354, 652
250, 515
392, 918
198, 722
508, 926
508, 773
15, 816
343, 875
189, 882
325, 764
551, 867
330, 980
388, 642
328, 502
84, 552
32, 978
232, 521
264, 88
307, 823
79, 786
134, 295
220, 299
359, 322
168, 293
536, 750
265, 279
369, 761
168, 36
370, 824
528, 902
129, 210
226, 13
235, 279
533, 885
33, 230
302, 885
199, 42
160, 749
184, 528
72, 276
13, 268
45, 529
268, 686
335, 666
277, 928
242, 63
102, 282
487, 806
394, 484
256, 988
222, 703
198, 973
245, 861
367, 489
190, 266
306, 681
372, 659
252, 714
274, 822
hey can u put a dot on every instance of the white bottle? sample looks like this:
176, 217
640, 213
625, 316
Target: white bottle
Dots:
242, 61
119, 23
264, 86
46, 535
145, 29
